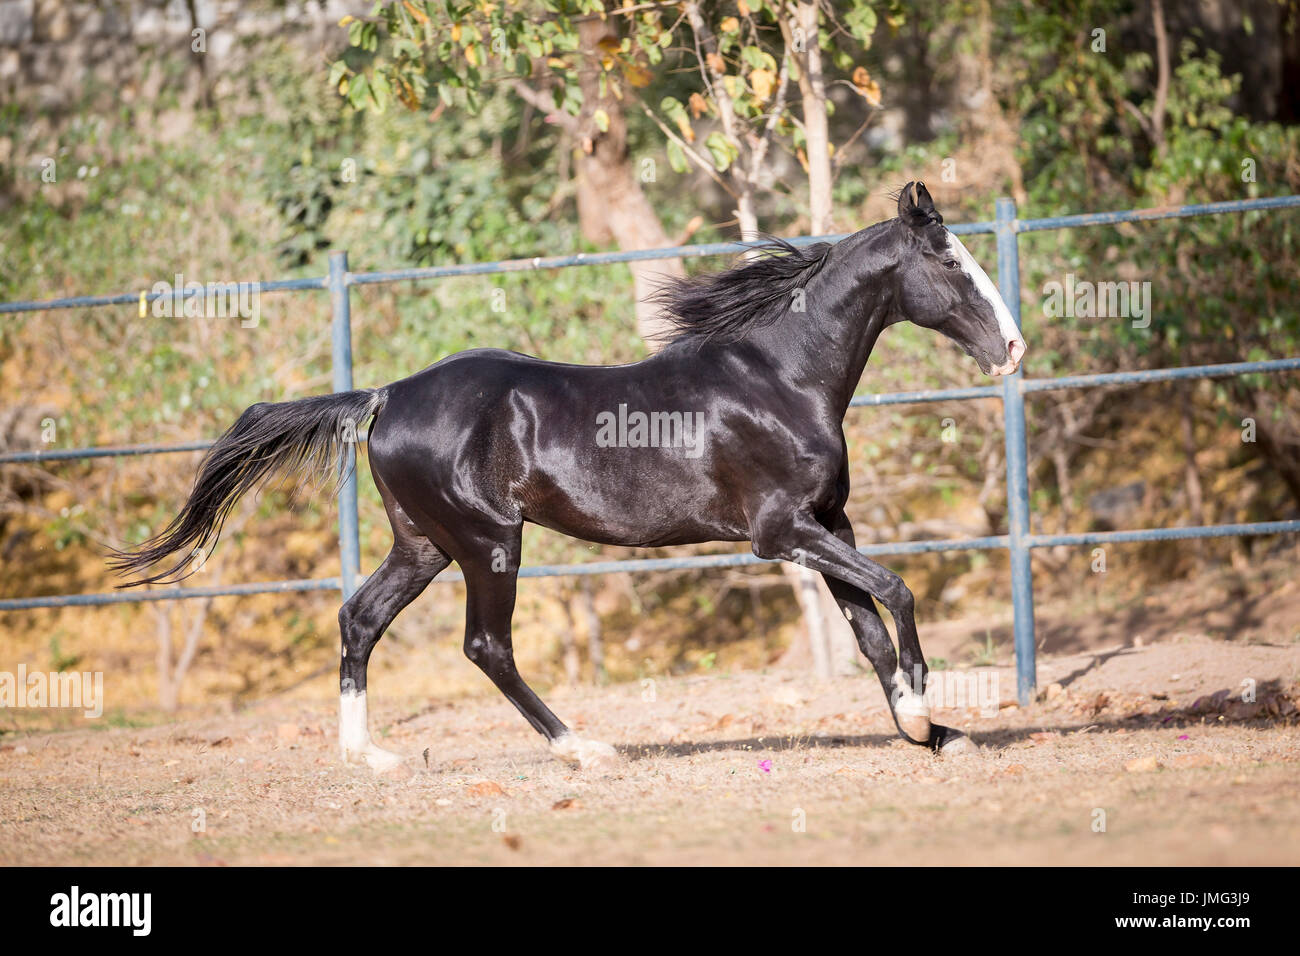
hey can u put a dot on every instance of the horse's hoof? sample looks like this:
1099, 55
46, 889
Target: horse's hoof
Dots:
953, 743
916, 727
587, 754
376, 758
910, 711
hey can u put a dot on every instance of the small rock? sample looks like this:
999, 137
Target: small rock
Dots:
485, 788
1142, 765
787, 697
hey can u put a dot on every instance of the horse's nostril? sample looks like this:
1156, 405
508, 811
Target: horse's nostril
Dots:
1015, 351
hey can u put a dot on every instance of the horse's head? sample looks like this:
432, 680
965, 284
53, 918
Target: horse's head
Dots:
943, 288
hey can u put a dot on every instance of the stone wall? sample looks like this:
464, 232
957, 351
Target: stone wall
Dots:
55, 53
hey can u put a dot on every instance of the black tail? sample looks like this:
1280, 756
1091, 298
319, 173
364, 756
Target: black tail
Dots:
305, 435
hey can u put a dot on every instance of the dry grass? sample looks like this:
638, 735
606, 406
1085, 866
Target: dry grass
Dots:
1179, 784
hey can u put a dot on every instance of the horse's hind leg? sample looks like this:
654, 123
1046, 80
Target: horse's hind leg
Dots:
490, 584
405, 573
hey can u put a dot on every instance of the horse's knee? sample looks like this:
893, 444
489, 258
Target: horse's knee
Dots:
490, 656
897, 596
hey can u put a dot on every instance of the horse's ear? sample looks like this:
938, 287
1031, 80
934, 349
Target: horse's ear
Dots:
915, 207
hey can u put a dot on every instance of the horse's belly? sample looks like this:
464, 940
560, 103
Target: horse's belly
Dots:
635, 508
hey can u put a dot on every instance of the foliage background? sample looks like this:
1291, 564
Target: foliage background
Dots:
235, 171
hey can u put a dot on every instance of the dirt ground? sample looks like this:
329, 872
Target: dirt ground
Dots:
1133, 755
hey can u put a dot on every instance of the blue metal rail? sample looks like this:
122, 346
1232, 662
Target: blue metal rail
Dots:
1019, 541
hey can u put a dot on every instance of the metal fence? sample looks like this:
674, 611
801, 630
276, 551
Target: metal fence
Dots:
1019, 541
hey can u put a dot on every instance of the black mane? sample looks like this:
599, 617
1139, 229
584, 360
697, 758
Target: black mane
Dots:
753, 294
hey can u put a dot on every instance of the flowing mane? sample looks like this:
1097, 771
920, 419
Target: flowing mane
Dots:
750, 295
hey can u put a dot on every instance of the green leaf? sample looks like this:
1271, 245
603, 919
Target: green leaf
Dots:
722, 151
358, 91
677, 157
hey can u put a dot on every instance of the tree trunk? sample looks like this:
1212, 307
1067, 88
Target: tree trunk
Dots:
611, 202
595, 637
569, 642
1192, 475
812, 89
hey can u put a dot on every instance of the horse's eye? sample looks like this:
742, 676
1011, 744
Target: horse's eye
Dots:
951, 264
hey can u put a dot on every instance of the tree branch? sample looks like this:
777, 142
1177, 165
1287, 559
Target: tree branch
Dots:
540, 101
704, 164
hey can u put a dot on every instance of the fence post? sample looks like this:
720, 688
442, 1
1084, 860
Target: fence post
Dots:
341, 334
1013, 417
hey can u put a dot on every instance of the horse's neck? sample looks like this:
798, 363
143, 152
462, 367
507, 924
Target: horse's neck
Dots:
825, 348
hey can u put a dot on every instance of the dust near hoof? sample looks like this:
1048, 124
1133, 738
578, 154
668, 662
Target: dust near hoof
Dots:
384, 763
589, 755
397, 771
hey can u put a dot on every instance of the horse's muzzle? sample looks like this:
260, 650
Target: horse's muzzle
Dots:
1015, 354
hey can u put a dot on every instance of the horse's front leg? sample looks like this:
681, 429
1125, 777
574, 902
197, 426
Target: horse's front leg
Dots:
853, 579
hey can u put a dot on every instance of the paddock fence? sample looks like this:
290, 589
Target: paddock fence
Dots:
1019, 541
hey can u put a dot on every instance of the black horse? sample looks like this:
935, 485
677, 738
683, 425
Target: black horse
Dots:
732, 432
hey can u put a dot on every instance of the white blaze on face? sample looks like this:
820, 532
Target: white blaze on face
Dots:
984, 285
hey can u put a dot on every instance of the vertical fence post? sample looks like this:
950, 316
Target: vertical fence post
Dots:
341, 334
1013, 416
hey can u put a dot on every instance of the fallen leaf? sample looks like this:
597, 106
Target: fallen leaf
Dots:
568, 803
486, 788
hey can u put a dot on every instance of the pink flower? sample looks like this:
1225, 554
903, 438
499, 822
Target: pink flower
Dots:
765, 766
